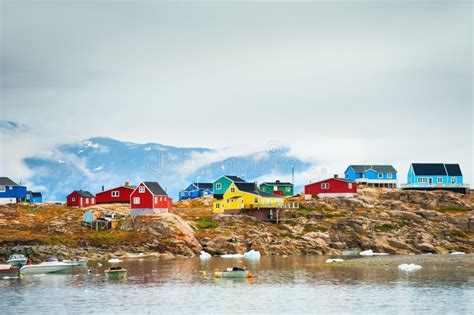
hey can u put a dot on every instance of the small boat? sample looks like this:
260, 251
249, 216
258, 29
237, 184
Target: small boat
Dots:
77, 262
234, 272
17, 260
8, 271
116, 273
49, 266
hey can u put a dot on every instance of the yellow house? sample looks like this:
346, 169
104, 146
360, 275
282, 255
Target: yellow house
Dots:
244, 197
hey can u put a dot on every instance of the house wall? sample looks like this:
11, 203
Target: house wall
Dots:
106, 196
371, 174
225, 183
36, 199
4, 201
146, 198
13, 192
412, 178
286, 190
350, 174
335, 187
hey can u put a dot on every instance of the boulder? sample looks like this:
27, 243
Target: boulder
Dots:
406, 215
425, 247
430, 215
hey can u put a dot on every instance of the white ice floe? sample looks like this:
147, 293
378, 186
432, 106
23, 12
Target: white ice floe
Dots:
381, 254
409, 267
368, 252
232, 256
114, 261
458, 253
205, 255
253, 254
335, 260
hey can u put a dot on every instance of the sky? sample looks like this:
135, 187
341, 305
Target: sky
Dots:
341, 83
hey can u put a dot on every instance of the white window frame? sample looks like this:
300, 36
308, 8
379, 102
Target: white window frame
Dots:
325, 186
380, 175
440, 180
218, 186
141, 189
3, 188
275, 188
73, 199
232, 189
288, 189
454, 180
156, 199
87, 201
349, 185
115, 193
389, 175
136, 200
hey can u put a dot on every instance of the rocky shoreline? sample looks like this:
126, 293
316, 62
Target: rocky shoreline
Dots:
387, 221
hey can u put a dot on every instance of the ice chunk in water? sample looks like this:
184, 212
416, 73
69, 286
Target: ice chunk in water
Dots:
409, 267
252, 254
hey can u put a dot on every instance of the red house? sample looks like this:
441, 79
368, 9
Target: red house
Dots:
331, 188
80, 198
116, 195
149, 197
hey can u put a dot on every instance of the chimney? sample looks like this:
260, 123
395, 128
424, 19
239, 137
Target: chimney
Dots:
335, 176
126, 184
103, 188
277, 181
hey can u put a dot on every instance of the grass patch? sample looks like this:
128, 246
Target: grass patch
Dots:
452, 209
457, 233
386, 227
311, 228
206, 223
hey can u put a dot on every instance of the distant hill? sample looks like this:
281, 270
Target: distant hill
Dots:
98, 162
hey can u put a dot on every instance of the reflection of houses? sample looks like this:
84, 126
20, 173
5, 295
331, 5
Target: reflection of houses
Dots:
196, 190
436, 176
372, 175
80, 198
34, 197
149, 197
237, 196
278, 188
11, 192
331, 188
119, 194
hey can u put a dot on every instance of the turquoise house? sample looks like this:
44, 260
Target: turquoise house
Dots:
372, 175
435, 176
221, 185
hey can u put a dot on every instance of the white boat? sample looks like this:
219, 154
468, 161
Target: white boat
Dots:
17, 260
49, 266
77, 262
233, 273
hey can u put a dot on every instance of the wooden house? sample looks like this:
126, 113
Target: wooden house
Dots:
196, 190
372, 175
11, 192
80, 198
119, 194
149, 197
331, 188
278, 188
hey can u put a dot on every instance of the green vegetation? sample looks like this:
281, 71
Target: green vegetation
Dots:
206, 222
457, 233
386, 227
312, 228
453, 209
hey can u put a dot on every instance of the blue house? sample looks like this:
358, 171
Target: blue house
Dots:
11, 192
196, 190
372, 175
34, 197
435, 176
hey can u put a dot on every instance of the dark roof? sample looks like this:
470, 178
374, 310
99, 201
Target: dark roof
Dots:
84, 193
235, 178
203, 185
377, 168
247, 187
429, 169
155, 188
265, 194
36, 194
5, 181
278, 183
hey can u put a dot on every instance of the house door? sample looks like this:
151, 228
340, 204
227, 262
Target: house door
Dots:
430, 181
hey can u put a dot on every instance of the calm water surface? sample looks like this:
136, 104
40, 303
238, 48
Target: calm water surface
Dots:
292, 285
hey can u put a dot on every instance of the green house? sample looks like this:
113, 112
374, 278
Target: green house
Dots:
221, 185
278, 188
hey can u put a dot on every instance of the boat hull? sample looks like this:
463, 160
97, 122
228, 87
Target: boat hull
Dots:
239, 274
45, 268
13, 272
116, 274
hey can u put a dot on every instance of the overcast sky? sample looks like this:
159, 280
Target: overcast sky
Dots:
345, 82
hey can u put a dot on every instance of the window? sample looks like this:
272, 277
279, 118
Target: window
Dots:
380, 175
73, 199
87, 201
275, 188
141, 189
136, 200
228, 200
349, 185
440, 180
325, 185
255, 200
232, 189
115, 193
288, 189
2, 189
182, 193
389, 175
218, 186
156, 199
217, 206
453, 180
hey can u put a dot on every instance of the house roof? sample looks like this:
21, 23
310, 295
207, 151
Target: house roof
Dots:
427, 169
36, 194
155, 188
250, 188
123, 186
377, 168
84, 193
334, 178
203, 185
278, 183
5, 181
235, 178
